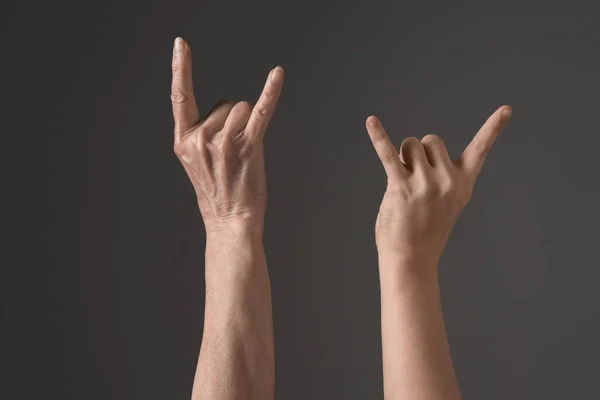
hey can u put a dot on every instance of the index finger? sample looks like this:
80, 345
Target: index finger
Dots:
385, 149
265, 106
476, 152
185, 111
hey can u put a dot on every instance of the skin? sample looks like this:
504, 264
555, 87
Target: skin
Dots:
222, 153
425, 194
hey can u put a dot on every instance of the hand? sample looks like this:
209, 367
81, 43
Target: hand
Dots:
222, 152
426, 190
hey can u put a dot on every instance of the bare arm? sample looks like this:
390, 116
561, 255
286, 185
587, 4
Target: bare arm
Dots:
416, 356
236, 358
425, 194
222, 154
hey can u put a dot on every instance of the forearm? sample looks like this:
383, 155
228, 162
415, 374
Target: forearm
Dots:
416, 356
236, 357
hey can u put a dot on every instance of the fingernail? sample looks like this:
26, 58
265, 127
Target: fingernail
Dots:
372, 121
506, 112
178, 48
276, 74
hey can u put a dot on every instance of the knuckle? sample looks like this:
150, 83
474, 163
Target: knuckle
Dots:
427, 191
433, 191
431, 139
221, 104
244, 105
498, 124
203, 131
481, 149
247, 149
408, 144
410, 141
226, 103
261, 110
447, 186
269, 93
221, 146
178, 95
408, 147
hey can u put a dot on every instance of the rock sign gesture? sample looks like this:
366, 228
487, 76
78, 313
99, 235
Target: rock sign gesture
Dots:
426, 190
222, 152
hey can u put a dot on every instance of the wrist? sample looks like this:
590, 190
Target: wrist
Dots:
409, 257
237, 241
399, 269
239, 227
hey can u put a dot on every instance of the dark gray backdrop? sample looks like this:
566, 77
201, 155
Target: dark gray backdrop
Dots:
110, 305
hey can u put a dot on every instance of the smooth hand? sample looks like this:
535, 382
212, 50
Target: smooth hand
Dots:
426, 190
222, 152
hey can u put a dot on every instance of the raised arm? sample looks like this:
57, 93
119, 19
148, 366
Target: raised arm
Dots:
222, 154
425, 194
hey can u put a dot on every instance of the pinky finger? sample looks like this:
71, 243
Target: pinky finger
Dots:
265, 106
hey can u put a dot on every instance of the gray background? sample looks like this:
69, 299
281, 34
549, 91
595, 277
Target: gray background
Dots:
109, 304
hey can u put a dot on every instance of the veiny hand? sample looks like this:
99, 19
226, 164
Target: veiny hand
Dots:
222, 152
426, 190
